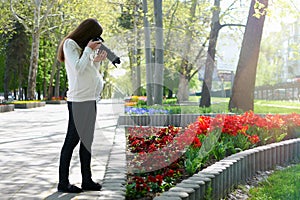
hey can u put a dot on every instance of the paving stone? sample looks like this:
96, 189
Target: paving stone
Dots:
31, 140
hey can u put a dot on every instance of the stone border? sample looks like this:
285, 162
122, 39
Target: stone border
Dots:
115, 177
56, 102
217, 180
29, 105
7, 108
177, 120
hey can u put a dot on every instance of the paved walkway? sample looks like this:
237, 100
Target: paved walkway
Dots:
30, 143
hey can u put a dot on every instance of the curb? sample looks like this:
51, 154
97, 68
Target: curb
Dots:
7, 108
115, 177
29, 105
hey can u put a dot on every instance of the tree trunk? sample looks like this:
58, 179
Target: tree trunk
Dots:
53, 71
133, 72
186, 67
148, 55
34, 53
159, 53
57, 81
44, 85
136, 72
244, 83
183, 89
45, 71
205, 100
33, 67
138, 51
6, 81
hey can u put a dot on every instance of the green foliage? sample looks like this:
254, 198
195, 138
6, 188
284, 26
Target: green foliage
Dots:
171, 101
193, 160
17, 53
220, 149
141, 103
259, 9
208, 192
205, 109
272, 57
241, 142
2, 61
132, 193
227, 143
196, 157
126, 19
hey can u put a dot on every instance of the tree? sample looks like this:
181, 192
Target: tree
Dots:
211, 52
205, 100
244, 82
185, 23
187, 20
38, 23
17, 54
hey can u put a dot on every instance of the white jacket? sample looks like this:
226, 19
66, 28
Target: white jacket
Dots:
84, 79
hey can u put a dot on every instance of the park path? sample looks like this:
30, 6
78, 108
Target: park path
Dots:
30, 143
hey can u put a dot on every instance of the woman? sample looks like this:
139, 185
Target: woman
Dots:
82, 61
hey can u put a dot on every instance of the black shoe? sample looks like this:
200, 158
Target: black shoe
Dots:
68, 188
91, 186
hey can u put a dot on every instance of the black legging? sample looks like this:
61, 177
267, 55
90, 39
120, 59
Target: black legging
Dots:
82, 118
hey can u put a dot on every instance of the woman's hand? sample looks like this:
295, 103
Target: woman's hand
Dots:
100, 56
94, 45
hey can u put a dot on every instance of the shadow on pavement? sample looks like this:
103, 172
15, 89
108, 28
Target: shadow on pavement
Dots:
61, 196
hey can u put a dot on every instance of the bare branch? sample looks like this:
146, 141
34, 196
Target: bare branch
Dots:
44, 17
229, 8
198, 57
18, 17
243, 25
201, 50
174, 8
50, 29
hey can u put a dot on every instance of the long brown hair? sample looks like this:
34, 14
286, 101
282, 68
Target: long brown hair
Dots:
87, 30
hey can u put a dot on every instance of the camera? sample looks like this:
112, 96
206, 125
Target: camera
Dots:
110, 55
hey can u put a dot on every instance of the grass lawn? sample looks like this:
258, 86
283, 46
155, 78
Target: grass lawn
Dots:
220, 105
283, 184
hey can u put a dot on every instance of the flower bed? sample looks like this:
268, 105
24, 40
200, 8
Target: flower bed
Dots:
136, 100
141, 101
56, 100
161, 157
141, 111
